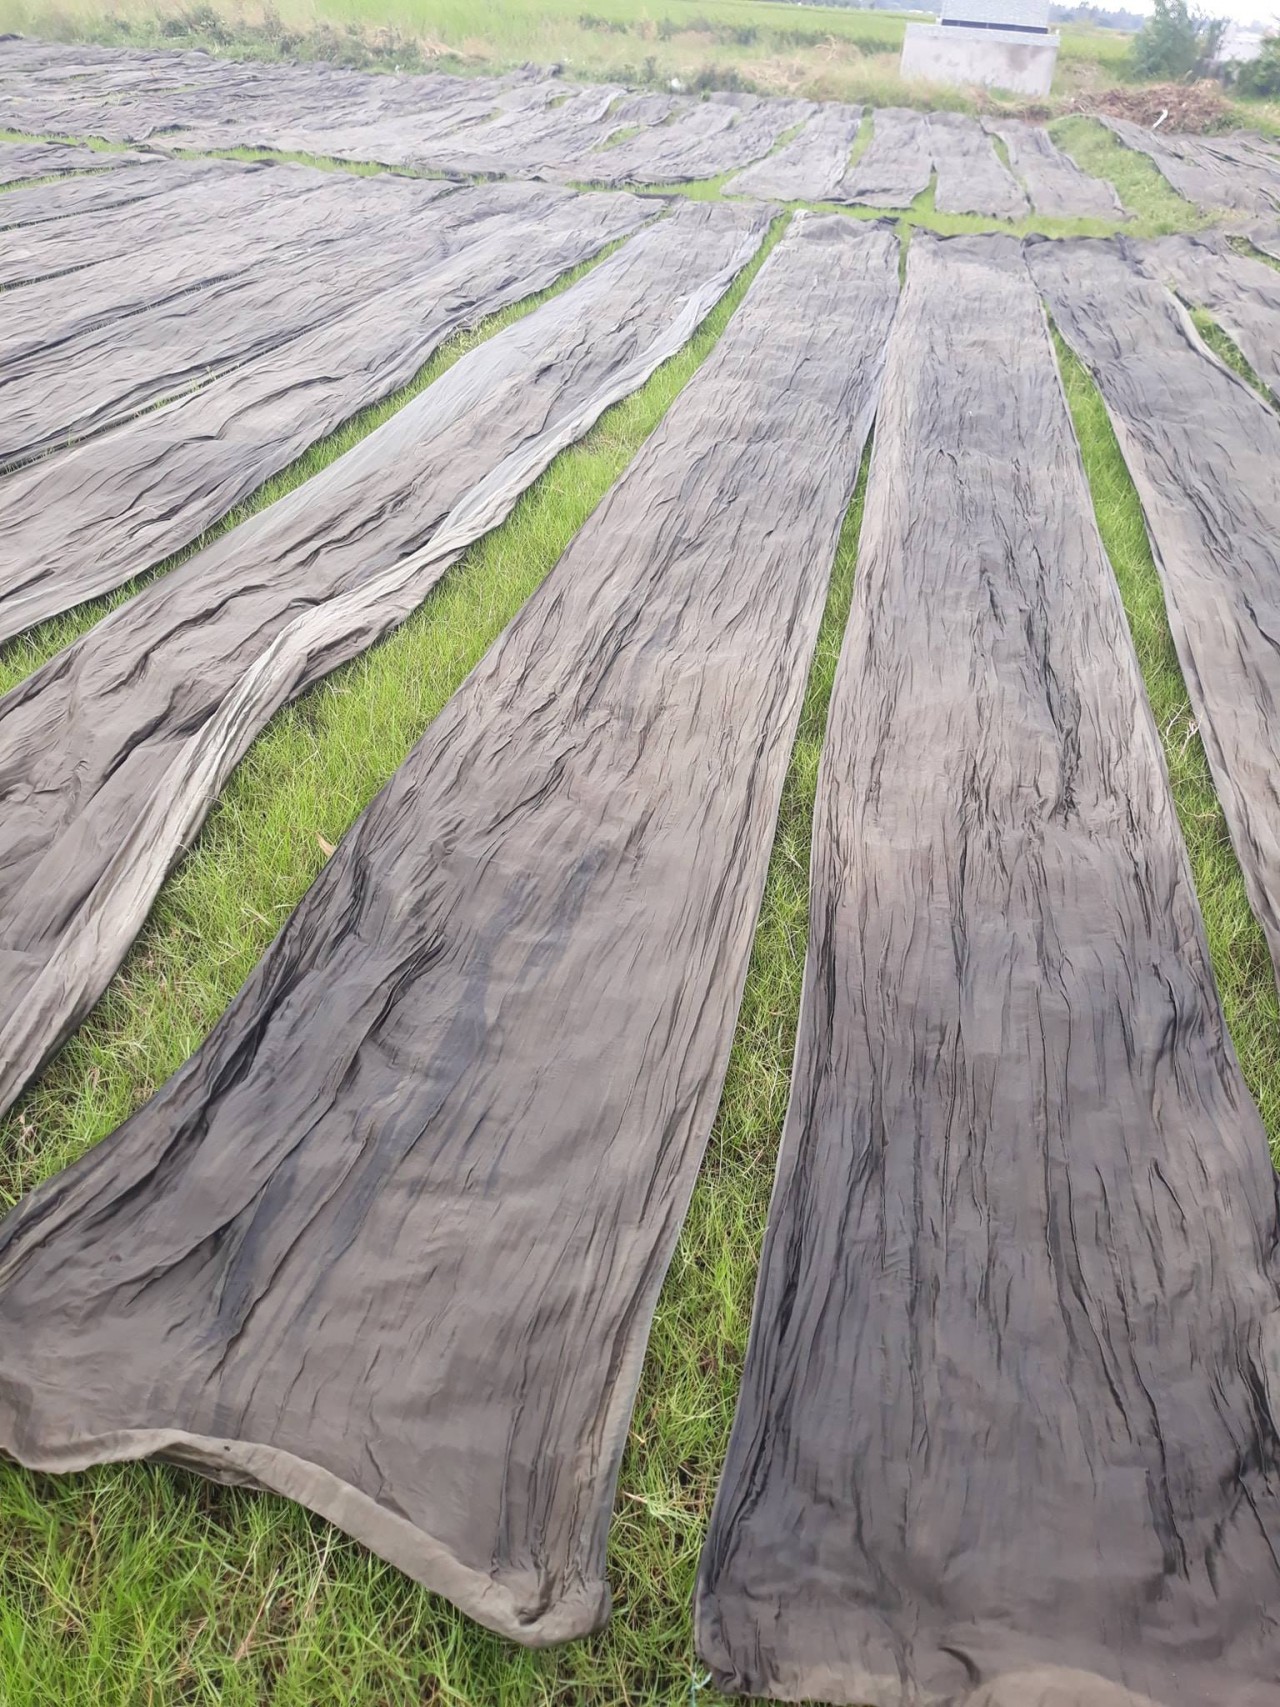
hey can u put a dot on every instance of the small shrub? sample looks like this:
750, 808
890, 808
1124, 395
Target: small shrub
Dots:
199, 20
1177, 41
1261, 76
719, 77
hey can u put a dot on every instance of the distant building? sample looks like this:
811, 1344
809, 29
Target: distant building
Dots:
1006, 44
1241, 42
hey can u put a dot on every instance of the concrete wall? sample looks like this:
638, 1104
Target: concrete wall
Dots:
949, 53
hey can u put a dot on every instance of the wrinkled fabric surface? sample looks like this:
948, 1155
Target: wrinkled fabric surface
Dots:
908, 148
897, 164
95, 375
19, 160
294, 217
111, 755
391, 1241
533, 123
972, 178
1242, 294
81, 222
1056, 185
1212, 172
699, 141
1007, 1424
528, 123
1204, 453
811, 166
86, 518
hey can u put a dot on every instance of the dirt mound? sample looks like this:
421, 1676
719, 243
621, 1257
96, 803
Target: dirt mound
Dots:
1195, 107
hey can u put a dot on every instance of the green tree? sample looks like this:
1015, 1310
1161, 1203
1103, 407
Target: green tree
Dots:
1177, 41
1261, 76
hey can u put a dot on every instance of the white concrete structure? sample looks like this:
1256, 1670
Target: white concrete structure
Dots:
1005, 44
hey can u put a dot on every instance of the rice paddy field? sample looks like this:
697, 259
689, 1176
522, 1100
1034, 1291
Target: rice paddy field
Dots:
823, 52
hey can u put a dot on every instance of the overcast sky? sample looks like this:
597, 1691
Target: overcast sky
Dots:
1244, 11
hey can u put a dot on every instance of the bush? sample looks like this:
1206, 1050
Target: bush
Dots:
1261, 76
1178, 41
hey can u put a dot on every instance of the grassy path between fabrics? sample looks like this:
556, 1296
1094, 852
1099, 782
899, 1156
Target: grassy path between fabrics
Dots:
140, 1584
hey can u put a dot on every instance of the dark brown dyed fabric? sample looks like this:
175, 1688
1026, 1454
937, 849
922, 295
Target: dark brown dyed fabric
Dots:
338, 268
95, 192
525, 124
1242, 294
1211, 172
112, 754
1006, 1434
212, 280
898, 163
701, 140
811, 166
1056, 185
391, 1241
1204, 453
86, 519
59, 235
907, 148
972, 178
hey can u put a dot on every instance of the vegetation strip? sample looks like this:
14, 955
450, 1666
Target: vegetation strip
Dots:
970, 1121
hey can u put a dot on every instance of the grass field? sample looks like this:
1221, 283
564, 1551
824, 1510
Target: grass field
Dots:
143, 1585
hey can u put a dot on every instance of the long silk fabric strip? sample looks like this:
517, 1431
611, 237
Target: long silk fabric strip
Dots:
392, 1240
811, 166
1208, 176
20, 160
1204, 453
701, 141
112, 754
52, 319
972, 178
82, 222
1007, 1425
101, 376
1056, 185
85, 520
1242, 294
898, 163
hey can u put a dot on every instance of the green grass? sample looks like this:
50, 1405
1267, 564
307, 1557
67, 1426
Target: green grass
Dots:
1240, 960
